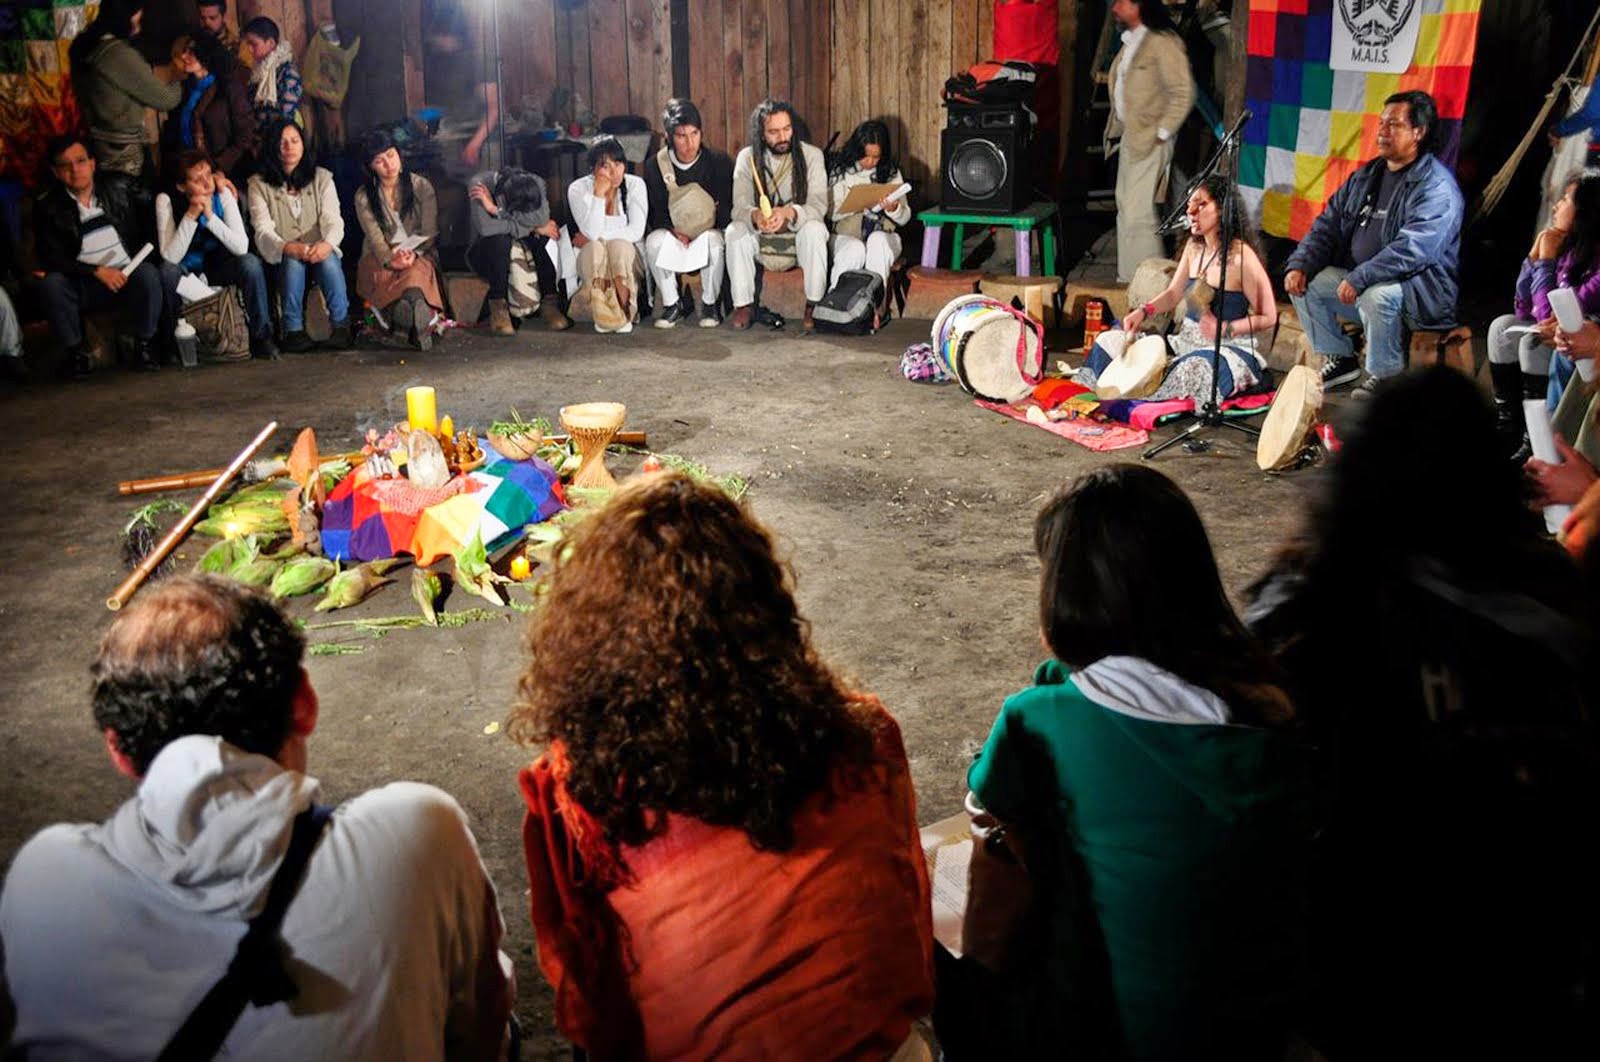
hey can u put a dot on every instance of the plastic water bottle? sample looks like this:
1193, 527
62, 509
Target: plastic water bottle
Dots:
188, 344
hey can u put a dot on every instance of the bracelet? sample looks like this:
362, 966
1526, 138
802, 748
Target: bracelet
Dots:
1149, 309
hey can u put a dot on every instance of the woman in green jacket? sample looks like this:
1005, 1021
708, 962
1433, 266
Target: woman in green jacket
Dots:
1162, 804
114, 85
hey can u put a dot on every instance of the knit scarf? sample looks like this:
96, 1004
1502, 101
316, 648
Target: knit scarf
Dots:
265, 75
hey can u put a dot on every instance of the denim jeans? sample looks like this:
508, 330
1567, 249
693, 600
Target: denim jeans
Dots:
246, 272
329, 275
1379, 310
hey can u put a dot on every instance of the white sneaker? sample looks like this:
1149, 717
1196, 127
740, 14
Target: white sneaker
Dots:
625, 329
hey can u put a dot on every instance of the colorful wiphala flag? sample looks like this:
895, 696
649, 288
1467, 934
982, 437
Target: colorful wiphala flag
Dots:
1313, 125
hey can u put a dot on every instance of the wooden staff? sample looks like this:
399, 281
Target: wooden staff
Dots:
199, 478
137, 577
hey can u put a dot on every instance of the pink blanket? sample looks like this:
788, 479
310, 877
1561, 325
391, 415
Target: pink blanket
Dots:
1083, 431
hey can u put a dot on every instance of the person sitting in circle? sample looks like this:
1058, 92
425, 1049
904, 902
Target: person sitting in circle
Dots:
721, 837
395, 205
1245, 311
294, 209
865, 239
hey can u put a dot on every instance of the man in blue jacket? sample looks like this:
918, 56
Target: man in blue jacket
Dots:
1384, 250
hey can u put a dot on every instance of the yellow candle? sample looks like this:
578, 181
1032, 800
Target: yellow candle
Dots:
421, 412
520, 567
447, 426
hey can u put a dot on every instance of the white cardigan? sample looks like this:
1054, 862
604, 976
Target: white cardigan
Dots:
589, 212
174, 235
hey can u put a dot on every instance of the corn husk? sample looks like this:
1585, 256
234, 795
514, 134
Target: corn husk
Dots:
227, 554
350, 587
474, 575
426, 587
258, 571
302, 575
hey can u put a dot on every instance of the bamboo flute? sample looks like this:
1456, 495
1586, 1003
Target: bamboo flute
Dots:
136, 578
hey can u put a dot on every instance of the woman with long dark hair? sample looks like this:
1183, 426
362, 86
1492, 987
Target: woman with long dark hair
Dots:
866, 239
721, 836
1162, 803
1245, 314
1433, 639
1524, 366
114, 85
294, 209
394, 206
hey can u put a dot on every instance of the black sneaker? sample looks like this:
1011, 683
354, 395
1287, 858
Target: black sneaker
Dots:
262, 346
339, 338
771, 318
1336, 372
297, 342
678, 311
710, 315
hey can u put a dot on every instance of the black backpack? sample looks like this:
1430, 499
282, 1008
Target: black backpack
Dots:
851, 307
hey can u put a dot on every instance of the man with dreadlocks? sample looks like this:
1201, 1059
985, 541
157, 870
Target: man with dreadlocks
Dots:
780, 197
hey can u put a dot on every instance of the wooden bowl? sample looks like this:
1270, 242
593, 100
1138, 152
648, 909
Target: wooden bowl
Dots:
594, 416
519, 447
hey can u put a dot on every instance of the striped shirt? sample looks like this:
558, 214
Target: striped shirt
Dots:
101, 244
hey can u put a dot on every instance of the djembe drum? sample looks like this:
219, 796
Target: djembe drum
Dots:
592, 426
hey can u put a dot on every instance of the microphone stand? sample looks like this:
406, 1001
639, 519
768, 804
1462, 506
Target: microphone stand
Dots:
1210, 415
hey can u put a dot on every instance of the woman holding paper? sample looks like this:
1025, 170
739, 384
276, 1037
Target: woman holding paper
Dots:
865, 237
398, 273
721, 836
1566, 255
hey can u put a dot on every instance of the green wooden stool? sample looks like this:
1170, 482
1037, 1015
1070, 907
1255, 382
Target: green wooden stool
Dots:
1039, 215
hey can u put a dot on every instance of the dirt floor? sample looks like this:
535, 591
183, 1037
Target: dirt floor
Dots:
905, 509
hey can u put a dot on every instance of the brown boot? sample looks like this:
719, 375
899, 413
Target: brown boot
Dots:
744, 316
500, 318
552, 316
808, 323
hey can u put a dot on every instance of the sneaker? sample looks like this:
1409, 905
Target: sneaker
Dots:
710, 315
1366, 388
262, 346
743, 317
297, 342
1336, 372
339, 338
771, 318
677, 312
625, 328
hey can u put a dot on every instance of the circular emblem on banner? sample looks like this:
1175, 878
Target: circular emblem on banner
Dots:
1375, 23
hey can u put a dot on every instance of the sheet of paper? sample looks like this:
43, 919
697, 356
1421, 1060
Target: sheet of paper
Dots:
411, 243
193, 288
1520, 330
675, 257
1564, 304
863, 196
144, 252
947, 850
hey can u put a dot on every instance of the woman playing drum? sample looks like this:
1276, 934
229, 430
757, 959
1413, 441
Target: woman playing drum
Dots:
1247, 308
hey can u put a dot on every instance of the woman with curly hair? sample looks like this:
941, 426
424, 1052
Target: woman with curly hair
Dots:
721, 837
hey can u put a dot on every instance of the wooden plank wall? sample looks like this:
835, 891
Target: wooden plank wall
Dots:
891, 58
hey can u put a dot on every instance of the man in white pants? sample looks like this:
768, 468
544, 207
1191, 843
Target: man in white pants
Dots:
794, 179
1152, 90
690, 186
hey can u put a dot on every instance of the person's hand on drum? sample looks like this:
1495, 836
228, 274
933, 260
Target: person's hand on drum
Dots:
1135, 320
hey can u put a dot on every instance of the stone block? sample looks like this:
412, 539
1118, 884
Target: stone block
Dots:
927, 290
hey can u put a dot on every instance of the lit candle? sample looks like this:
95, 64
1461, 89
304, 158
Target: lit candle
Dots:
421, 413
520, 567
447, 427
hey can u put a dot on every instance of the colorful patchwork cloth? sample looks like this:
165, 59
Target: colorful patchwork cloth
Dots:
1311, 126
1094, 435
367, 519
36, 100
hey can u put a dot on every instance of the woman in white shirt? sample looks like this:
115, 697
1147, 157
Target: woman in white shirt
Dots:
609, 208
865, 239
200, 230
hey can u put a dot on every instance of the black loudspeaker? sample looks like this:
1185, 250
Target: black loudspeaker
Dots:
983, 153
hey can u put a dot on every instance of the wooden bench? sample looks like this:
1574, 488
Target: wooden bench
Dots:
1452, 348
1045, 290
